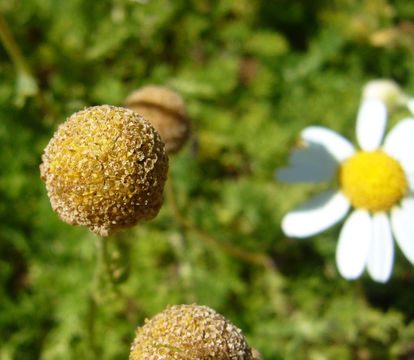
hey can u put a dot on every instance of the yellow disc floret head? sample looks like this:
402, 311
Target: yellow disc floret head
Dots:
373, 181
166, 111
189, 332
105, 168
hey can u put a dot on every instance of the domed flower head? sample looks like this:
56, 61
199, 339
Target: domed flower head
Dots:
185, 332
105, 168
377, 181
166, 111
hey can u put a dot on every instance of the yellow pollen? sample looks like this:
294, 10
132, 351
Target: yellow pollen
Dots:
372, 180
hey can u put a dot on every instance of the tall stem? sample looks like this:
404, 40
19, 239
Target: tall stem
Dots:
105, 261
235, 251
94, 300
259, 259
12, 48
22, 66
107, 275
91, 325
99, 292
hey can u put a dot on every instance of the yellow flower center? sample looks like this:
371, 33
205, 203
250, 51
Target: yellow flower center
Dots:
372, 180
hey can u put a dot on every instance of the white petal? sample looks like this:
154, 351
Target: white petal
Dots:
410, 179
338, 146
410, 104
399, 143
353, 244
318, 159
402, 220
381, 249
317, 214
371, 122
386, 90
309, 164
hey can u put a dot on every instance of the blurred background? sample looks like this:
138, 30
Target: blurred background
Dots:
253, 74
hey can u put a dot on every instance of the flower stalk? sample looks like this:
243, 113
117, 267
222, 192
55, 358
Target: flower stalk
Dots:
259, 259
27, 85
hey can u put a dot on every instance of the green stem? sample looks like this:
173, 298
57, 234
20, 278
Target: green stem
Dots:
93, 301
235, 251
258, 259
12, 48
103, 275
107, 275
361, 291
105, 261
91, 325
22, 65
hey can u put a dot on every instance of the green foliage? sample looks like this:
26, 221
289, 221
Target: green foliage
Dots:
253, 74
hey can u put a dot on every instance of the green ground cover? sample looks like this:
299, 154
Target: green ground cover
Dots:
253, 74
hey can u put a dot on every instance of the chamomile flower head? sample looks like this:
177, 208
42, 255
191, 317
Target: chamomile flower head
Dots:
166, 111
105, 168
190, 332
377, 181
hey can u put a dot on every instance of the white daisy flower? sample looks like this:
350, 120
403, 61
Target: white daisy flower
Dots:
377, 181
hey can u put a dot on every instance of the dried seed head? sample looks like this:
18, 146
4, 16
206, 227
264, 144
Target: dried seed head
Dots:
189, 332
105, 168
166, 111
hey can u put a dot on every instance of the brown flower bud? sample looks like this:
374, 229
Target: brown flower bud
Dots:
185, 332
166, 111
105, 168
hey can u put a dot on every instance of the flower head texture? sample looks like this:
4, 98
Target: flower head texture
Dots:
166, 111
185, 332
377, 181
105, 168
